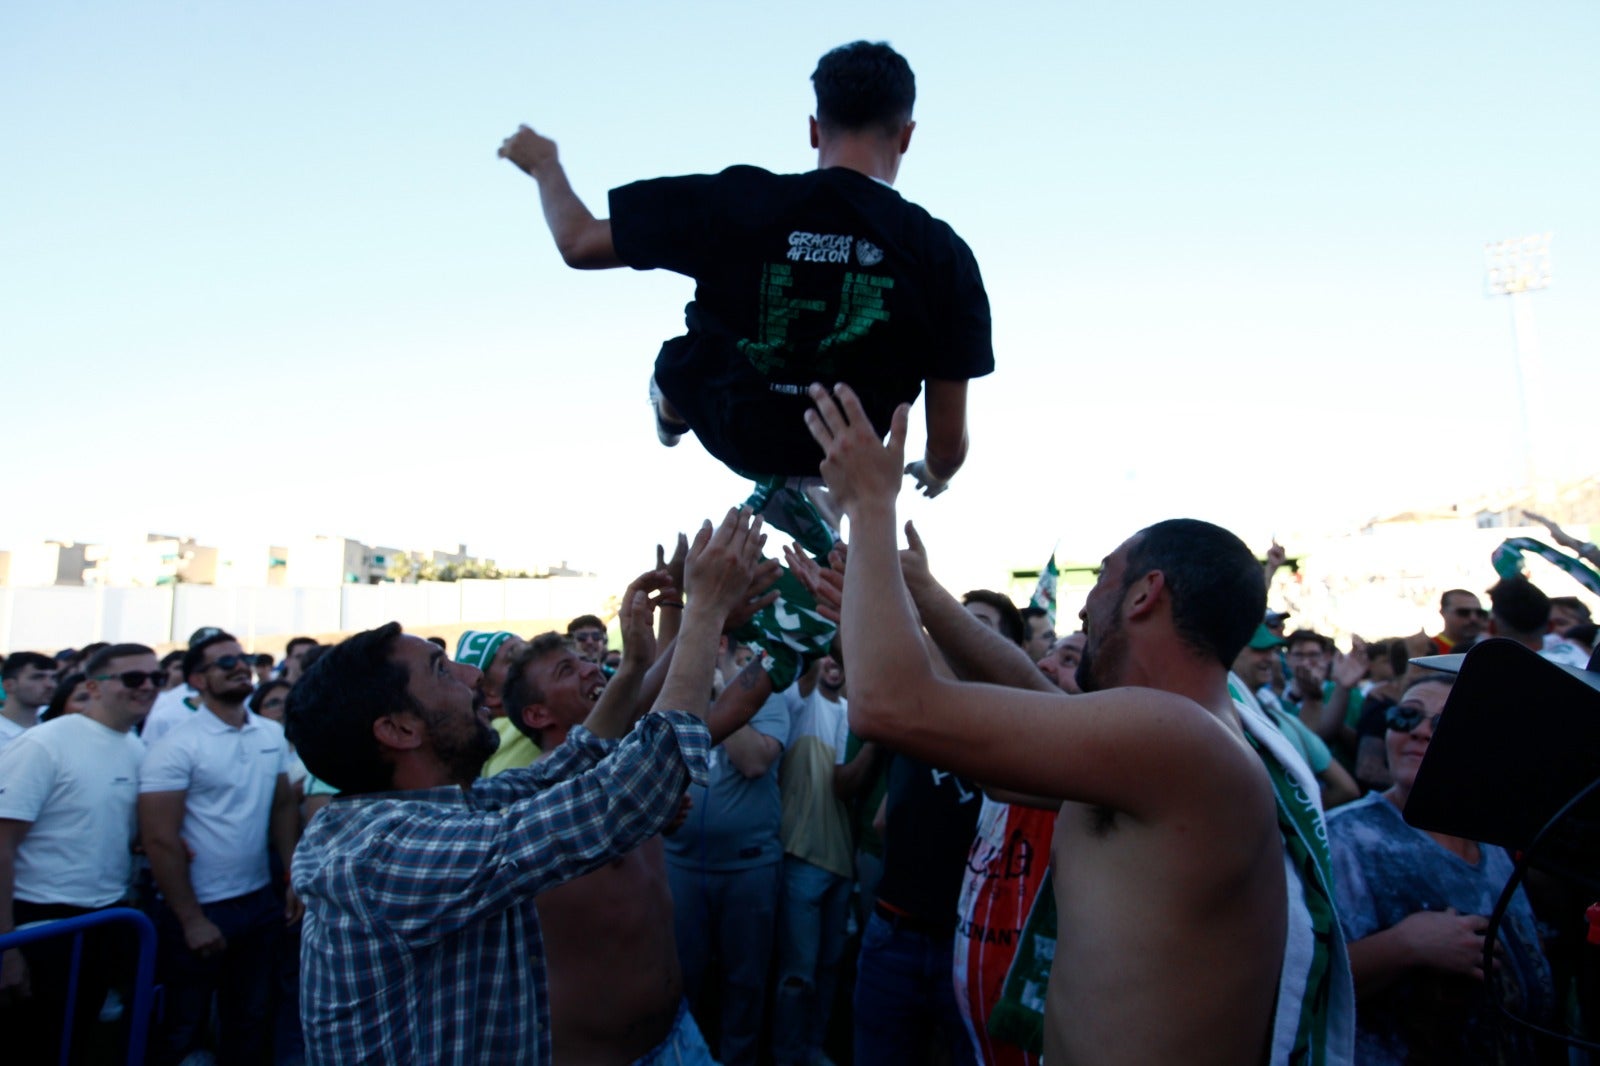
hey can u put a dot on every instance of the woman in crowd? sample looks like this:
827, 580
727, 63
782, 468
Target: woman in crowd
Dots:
1415, 905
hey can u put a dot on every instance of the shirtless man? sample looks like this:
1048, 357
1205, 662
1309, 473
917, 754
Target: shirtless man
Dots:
1173, 897
615, 984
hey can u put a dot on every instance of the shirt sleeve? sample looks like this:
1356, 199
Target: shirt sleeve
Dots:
665, 223
167, 766
773, 719
433, 873
967, 350
27, 774
581, 751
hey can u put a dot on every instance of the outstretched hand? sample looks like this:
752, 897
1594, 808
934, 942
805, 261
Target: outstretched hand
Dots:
636, 617
1557, 534
722, 562
530, 151
927, 484
858, 466
825, 586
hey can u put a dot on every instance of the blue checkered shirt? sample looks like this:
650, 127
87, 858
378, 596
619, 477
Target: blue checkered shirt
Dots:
421, 943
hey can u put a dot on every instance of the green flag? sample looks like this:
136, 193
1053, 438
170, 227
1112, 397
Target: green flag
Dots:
1044, 593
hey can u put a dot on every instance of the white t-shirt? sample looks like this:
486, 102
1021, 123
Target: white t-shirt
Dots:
10, 731
172, 707
77, 781
229, 776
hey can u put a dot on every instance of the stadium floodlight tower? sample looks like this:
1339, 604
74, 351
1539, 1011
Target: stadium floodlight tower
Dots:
1515, 268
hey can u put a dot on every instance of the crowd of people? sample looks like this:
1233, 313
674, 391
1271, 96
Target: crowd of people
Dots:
810, 811
796, 891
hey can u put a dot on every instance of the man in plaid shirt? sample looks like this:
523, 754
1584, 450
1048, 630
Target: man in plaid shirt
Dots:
421, 941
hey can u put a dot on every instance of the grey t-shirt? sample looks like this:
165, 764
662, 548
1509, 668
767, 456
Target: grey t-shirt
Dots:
733, 824
1385, 870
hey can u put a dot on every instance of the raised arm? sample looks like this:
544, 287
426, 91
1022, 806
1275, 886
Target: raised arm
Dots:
1101, 748
583, 240
619, 706
974, 651
717, 578
945, 404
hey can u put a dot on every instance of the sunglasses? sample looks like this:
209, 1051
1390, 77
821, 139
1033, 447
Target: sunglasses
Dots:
589, 634
135, 678
1406, 719
1469, 612
228, 662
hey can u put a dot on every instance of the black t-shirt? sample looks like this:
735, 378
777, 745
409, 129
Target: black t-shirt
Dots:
930, 821
825, 276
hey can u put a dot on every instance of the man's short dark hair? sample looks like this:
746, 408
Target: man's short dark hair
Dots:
1444, 600
102, 658
171, 657
331, 709
295, 642
1011, 626
1309, 636
584, 621
19, 661
521, 691
1030, 612
263, 659
1213, 579
862, 85
1518, 605
195, 657
1573, 604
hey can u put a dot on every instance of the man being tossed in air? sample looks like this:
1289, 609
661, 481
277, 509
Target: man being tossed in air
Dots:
829, 274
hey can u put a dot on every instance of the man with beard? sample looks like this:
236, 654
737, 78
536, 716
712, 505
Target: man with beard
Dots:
422, 941
1174, 898
212, 791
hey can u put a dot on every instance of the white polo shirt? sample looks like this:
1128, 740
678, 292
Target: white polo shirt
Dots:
229, 776
77, 781
10, 731
172, 707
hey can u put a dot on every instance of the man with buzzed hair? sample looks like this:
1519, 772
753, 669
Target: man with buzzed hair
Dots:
827, 275
29, 679
1176, 838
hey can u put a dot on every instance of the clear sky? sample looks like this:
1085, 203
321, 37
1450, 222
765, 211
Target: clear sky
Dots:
262, 276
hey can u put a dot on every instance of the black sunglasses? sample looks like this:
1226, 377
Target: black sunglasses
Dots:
1469, 612
135, 678
1406, 719
228, 662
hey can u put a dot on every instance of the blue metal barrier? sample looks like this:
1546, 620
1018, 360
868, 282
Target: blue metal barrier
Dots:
144, 970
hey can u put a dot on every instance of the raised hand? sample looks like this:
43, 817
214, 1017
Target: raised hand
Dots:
914, 561
1557, 534
636, 616
531, 152
827, 586
721, 562
858, 467
674, 565
927, 484
762, 592
1348, 670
